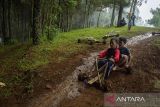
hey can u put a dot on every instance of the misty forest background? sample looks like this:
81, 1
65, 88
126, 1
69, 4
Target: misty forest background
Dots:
36, 20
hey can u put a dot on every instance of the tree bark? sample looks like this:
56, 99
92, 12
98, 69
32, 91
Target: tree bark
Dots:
120, 14
113, 13
71, 22
42, 24
35, 26
89, 7
68, 20
4, 22
129, 16
59, 16
85, 13
134, 6
9, 20
99, 17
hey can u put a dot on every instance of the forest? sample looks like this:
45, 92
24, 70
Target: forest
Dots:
155, 20
23, 20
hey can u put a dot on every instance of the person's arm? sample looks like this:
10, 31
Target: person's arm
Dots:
116, 56
102, 54
129, 56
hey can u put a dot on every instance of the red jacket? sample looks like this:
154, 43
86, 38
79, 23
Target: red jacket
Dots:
110, 53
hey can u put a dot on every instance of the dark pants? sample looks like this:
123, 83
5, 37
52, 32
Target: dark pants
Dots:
109, 67
133, 22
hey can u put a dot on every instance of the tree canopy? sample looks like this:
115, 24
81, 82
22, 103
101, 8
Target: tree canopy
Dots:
21, 20
156, 17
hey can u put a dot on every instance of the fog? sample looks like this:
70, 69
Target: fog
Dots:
146, 7
142, 13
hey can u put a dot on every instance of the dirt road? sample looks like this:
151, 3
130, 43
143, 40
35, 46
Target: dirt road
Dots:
145, 77
59, 86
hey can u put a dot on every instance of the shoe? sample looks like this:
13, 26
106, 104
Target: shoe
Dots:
129, 70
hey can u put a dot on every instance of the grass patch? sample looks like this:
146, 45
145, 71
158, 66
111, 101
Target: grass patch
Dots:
11, 56
4, 48
26, 57
65, 45
37, 55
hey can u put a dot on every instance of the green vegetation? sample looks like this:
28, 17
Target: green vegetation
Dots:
156, 17
27, 57
23, 20
65, 45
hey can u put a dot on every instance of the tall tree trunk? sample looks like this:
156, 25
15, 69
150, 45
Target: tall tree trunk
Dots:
4, 22
9, 19
99, 17
68, 19
120, 14
18, 19
85, 14
48, 30
62, 23
89, 7
35, 27
59, 20
113, 13
133, 13
134, 6
129, 16
22, 24
59, 16
71, 22
42, 24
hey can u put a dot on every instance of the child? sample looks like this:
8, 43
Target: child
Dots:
125, 56
111, 56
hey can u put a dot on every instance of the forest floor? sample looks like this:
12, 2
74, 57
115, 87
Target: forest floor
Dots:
32, 73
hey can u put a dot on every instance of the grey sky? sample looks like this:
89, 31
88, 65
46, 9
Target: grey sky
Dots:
146, 7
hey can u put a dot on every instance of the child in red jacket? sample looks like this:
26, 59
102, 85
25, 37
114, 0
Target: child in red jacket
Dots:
110, 56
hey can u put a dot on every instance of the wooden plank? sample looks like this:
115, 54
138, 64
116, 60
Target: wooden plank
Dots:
99, 78
91, 81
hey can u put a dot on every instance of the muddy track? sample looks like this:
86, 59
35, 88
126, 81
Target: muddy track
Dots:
144, 79
71, 88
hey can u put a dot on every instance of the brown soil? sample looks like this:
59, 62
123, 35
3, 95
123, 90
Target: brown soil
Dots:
146, 68
45, 79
